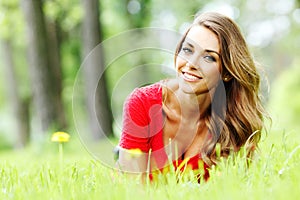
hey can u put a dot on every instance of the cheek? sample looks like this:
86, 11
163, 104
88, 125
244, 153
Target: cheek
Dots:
179, 62
215, 69
213, 74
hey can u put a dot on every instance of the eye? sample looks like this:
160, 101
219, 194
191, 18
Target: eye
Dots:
209, 58
186, 50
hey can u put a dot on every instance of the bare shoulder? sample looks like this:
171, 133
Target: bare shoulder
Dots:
169, 87
170, 84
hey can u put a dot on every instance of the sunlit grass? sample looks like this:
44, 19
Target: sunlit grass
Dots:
273, 174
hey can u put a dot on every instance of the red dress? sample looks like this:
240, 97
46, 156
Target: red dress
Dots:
143, 127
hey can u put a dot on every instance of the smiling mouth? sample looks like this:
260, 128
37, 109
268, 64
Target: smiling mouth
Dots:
190, 77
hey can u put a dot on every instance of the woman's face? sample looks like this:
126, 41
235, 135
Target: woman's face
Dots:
198, 63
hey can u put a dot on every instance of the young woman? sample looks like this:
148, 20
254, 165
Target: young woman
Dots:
213, 102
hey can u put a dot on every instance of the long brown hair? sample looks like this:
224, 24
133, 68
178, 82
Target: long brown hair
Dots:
240, 121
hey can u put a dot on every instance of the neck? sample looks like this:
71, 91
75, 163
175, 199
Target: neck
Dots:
186, 106
192, 105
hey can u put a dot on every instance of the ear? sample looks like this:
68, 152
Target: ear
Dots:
227, 78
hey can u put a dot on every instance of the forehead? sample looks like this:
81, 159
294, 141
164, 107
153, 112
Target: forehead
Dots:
202, 37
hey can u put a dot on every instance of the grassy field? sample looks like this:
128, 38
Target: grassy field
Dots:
36, 173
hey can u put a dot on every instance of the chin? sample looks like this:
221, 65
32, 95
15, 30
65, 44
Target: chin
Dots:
186, 87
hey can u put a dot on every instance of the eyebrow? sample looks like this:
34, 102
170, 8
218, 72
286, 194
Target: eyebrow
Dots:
212, 51
205, 50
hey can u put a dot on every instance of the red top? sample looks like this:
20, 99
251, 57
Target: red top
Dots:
143, 126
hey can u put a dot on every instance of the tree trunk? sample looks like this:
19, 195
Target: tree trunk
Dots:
40, 74
53, 31
96, 97
19, 107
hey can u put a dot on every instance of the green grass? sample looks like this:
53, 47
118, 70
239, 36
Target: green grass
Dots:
36, 174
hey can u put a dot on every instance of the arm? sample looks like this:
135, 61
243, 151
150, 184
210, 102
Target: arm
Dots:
132, 161
134, 141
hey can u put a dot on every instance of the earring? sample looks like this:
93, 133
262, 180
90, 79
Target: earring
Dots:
226, 79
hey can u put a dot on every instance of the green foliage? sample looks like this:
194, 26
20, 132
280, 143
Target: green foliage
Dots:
68, 13
284, 101
2, 87
11, 23
4, 143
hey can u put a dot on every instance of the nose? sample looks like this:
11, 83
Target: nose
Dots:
193, 61
190, 65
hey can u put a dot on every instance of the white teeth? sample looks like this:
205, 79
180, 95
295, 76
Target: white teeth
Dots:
190, 77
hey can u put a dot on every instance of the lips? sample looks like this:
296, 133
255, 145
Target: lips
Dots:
191, 77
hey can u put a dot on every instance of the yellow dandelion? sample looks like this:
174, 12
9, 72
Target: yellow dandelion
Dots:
60, 137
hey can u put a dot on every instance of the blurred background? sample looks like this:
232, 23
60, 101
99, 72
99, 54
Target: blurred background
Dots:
44, 43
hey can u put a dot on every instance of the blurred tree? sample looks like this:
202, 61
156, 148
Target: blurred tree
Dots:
17, 102
97, 98
54, 44
63, 27
19, 106
43, 81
